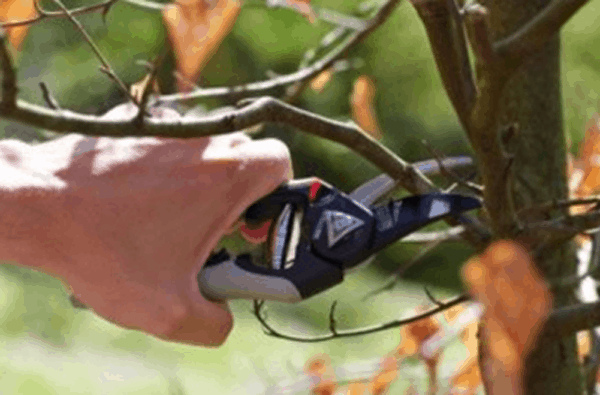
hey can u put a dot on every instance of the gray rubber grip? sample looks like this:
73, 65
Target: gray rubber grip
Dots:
227, 280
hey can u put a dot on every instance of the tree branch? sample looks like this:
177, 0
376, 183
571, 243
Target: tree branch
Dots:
530, 38
336, 334
450, 53
483, 133
569, 320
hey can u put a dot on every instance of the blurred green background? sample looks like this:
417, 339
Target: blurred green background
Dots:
48, 347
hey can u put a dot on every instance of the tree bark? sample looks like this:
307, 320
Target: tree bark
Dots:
532, 99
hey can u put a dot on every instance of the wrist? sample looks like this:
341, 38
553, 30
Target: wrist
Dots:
28, 209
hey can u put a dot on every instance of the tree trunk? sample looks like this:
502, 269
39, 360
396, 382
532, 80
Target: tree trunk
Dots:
532, 99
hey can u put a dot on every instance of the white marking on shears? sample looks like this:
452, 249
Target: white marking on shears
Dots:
438, 207
338, 225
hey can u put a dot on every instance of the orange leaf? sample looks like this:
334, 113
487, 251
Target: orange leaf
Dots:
318, 83
517, 302
382, 380
356, 388
16, 10
362, 102
320, 370
414, 334
196, 31
467, 379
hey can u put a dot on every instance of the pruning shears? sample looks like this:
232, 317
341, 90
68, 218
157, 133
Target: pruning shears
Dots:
319, 233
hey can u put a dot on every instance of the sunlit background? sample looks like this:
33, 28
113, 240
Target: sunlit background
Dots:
49, 347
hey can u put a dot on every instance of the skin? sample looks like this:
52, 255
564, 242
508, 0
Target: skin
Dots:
128, 223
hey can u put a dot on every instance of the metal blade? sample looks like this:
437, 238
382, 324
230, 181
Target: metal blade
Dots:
373, 189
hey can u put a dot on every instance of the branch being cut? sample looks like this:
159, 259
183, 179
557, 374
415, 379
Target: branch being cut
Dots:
336, 334
530, 38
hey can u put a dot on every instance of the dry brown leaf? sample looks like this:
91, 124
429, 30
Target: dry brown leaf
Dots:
321, 372
362, 102
517, 302
16, 10
318, 83
195, 31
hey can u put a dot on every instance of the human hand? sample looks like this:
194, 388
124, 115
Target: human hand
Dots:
128, 223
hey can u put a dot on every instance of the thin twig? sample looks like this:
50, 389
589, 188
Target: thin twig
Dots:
106, 67
51, 102
9, 76
430, 297
332, 322
553, 205
269, 330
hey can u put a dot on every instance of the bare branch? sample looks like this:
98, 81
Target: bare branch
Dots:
48, 97
431, 298
551, 206
569, 320
9, 77
483, 132
332, 323
480, 33
532, 36
269, 330
562, 228
450, 53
